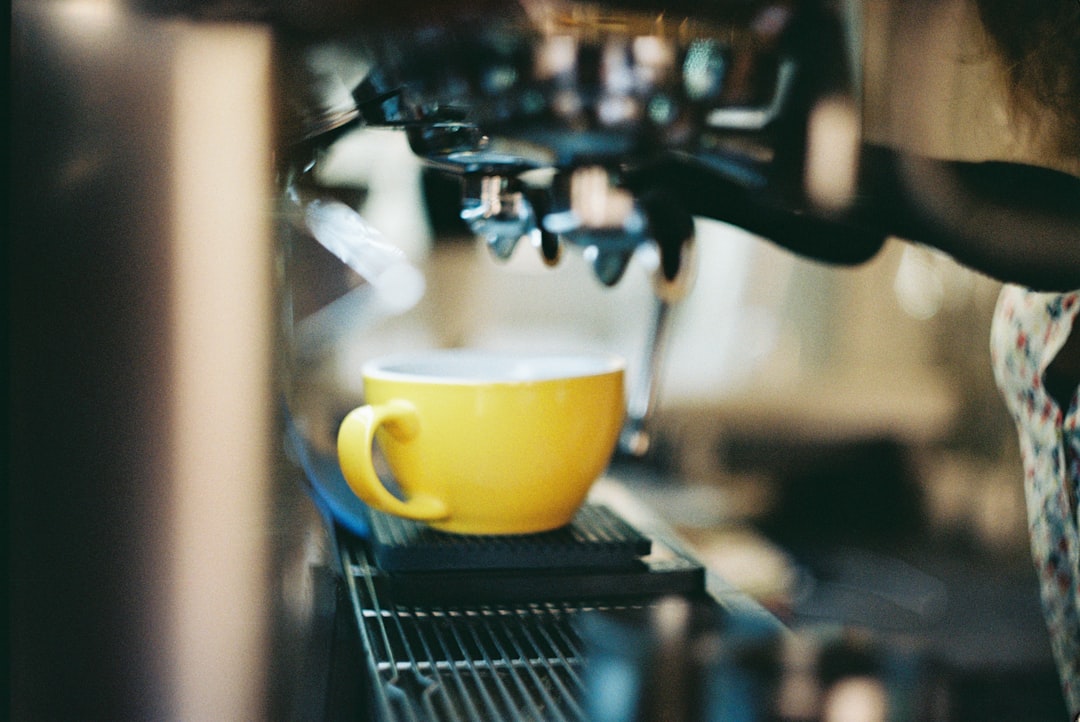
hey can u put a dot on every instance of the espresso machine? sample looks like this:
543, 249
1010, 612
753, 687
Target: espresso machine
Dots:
181, 547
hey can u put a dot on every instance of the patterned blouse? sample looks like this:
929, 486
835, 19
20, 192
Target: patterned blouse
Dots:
1029, 329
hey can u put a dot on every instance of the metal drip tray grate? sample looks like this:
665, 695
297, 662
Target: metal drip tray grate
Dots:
482, 662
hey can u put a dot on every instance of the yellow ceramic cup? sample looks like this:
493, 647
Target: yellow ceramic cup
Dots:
482, 442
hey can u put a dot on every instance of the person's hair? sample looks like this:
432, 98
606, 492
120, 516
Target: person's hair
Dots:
1038, 42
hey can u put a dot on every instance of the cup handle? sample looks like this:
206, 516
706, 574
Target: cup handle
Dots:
355, 439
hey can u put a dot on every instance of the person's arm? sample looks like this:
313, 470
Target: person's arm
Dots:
1016, 223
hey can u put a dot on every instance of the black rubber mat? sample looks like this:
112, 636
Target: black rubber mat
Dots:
596, 539
666, 570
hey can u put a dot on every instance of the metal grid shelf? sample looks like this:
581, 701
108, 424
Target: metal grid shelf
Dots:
484, 662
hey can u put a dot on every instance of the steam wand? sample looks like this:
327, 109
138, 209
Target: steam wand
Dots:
674, 276
635, 439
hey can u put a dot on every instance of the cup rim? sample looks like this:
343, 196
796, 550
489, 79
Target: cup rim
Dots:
510, 366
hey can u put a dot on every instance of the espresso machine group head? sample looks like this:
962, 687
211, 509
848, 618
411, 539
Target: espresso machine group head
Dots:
609, 125
606, 127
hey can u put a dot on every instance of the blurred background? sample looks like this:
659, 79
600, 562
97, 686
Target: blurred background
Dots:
828, 440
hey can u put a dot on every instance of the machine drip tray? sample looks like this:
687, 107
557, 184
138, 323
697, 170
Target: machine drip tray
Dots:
497, 643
